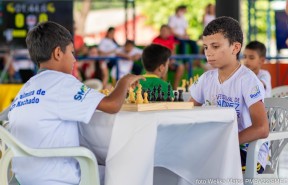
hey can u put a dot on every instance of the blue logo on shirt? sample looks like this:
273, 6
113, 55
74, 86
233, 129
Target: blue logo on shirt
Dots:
255, 92
81, 93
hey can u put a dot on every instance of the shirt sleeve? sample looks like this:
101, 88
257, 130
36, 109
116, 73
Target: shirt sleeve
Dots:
252, 90
77, 102
266, 79
196, 90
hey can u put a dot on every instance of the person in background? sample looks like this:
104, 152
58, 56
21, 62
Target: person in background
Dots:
209, 14
167, 39
108, 46
129, 54
254, 57
94, 68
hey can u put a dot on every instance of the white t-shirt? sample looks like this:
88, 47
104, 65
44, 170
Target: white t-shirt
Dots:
208, 18
265, 77
107, 45
45, 114
178, 24
240, 91
125, 66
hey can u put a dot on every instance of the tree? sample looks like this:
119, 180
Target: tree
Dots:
158, 12
81, 12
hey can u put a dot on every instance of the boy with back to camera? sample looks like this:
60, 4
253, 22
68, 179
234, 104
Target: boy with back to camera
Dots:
155, 59
254, 58
48, 108
231, 84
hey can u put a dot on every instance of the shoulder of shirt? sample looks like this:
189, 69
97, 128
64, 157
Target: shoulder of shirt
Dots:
263, 71
246, 74
210, 73
55, 74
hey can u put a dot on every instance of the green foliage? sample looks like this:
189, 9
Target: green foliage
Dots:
158, 12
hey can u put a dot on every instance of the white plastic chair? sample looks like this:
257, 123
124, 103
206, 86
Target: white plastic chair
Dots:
94, 84
86, 159
277, 112
280, 91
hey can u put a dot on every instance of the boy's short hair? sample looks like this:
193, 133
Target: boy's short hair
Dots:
131, 42
229, 27
181, 7
164, 26
154, 56
258, 47
44, 38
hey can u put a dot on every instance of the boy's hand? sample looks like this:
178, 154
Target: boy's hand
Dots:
131, 80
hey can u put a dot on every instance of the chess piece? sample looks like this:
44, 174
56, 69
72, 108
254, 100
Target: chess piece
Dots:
162, 96
175, 96
131, 95
191, 81
187, 87
145, 97
159, 97
195, 78
180, 97
169, 93
149, 93
152, 97
139, 98
183, 83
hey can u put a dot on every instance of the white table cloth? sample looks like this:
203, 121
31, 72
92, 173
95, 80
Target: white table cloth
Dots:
198, 146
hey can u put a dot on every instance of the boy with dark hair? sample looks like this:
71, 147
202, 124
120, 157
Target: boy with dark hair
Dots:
48, 108
254, 58
155, 59
232, 85
167, 39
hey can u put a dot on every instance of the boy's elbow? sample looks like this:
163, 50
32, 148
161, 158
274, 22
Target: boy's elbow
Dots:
264, 132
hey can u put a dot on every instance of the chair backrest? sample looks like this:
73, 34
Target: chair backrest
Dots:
280, 91
86, 159
277, 112
94, 84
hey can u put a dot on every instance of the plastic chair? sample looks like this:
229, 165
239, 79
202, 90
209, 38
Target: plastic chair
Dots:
86, 159
280, 91
94, 84
277, 112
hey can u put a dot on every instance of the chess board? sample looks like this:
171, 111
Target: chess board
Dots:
157, 106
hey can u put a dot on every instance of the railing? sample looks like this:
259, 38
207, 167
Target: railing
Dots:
189, 58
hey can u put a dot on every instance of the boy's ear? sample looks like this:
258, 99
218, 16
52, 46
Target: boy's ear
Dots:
161, 67
262, 60
237, 48
57, 53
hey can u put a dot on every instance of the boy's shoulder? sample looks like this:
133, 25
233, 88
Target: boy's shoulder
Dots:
264, 72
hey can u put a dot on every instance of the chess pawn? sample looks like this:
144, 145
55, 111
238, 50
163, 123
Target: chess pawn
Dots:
152, 97
139, 98
169, 96
162, 96
145, 97
175, 96
131, 95
180, 97
106, 92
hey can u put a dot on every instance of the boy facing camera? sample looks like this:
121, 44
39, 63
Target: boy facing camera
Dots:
231, 84
48, 108
254, 58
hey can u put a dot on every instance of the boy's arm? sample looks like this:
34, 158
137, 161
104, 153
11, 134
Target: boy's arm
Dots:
124, 55
259, 128
113, 103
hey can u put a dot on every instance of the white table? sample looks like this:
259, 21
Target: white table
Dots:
193, 145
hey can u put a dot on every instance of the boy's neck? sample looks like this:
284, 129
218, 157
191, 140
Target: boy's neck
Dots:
156, 73
49, 65
228, 71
